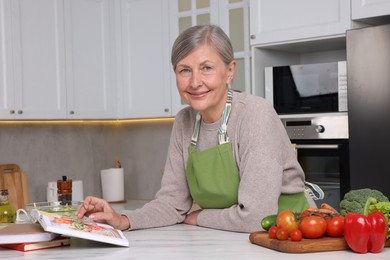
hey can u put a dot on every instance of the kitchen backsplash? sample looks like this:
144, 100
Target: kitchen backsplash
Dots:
48, 151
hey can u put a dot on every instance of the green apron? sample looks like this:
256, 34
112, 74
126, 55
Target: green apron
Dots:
213, 177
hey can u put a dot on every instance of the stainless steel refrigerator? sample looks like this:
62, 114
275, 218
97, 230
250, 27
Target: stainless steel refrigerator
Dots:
368, 69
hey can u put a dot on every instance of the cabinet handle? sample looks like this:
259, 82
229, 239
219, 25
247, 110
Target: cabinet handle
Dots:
12, 112
253, 36
166, 110
20, 112
71, 112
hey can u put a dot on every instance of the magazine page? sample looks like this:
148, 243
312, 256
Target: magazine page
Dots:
85, 228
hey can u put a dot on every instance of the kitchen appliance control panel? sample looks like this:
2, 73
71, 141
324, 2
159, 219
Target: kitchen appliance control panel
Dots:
317, 127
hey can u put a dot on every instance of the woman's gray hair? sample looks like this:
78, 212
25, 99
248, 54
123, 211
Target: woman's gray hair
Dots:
198, 35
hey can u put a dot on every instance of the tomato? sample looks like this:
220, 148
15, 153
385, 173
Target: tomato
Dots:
282, 234
272, 231
286, 219
335, 226
312, 226
296, 235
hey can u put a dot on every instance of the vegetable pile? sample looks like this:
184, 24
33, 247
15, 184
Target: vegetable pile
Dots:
311, 223
363, 220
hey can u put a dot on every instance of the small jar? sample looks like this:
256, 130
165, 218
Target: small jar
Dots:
7, 211
64, 190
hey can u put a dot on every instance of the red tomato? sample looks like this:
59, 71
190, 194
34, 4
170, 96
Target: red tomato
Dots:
335, 226
312, 226
296, 235
282, 234
286, 219
272, 231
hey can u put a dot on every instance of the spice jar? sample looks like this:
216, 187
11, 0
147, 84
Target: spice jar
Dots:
64, 190
7, 211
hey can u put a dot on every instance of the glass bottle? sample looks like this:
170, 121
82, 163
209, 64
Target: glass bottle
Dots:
64, 190
7, 211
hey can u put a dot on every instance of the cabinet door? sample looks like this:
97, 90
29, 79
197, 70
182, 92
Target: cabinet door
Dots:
283, 20
89, 59
362, 9
6, 83
145, 59
38, 59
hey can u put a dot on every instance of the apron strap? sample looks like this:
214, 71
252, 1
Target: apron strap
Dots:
222, 131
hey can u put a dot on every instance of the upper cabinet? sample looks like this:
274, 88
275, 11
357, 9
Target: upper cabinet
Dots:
57, 59
90, 59
32, 75
280, 20
371, 11
144, 59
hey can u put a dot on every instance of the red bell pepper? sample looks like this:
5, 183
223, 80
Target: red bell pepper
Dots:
365, 233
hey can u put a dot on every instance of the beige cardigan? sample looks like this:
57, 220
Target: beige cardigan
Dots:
264, 156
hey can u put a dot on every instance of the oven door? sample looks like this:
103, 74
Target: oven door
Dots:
325, 163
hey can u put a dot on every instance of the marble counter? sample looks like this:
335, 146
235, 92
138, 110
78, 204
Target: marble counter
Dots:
179, 242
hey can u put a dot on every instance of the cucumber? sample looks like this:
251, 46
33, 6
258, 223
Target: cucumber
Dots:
268, 221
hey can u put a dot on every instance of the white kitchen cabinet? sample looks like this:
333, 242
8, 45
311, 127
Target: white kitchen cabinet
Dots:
370, 10
32, 60
90, 59
145, 59
283, 20
7, 109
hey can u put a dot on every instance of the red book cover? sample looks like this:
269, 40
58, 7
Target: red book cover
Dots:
25, 247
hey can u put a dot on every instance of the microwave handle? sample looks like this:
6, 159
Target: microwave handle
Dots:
317, 146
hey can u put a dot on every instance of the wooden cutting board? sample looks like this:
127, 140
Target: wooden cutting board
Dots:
304, 246
15, 181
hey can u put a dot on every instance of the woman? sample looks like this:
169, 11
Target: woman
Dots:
228, 152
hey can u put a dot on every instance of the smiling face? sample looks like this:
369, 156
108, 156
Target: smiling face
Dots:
202, 79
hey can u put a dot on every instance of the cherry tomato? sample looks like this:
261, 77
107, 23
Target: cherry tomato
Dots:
286, 219
296, 235
335, 226
312, 226
272, 231
282, 234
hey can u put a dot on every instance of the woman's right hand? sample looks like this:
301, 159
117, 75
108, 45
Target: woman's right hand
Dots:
101, 211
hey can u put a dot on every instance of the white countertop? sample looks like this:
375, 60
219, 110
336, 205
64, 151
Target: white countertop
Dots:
179, 242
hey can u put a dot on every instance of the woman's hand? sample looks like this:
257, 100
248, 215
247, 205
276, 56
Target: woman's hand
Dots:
100, 211
192, 218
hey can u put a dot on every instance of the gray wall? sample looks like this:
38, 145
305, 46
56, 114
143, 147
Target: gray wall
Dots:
48, 151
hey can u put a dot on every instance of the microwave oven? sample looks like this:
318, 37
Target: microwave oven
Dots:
307, 88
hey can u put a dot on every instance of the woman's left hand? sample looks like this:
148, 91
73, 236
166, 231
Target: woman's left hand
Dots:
192, 218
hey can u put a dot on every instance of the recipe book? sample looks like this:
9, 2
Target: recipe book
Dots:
26, 247
24, 233
71, 225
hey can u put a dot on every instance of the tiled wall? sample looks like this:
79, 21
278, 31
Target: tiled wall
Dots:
48, 151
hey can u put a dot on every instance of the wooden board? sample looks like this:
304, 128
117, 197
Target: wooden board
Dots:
304, 246
16, 182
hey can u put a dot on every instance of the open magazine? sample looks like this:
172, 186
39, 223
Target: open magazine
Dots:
70, 225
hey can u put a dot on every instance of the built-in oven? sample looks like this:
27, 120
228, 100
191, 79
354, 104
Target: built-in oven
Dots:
321, 143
